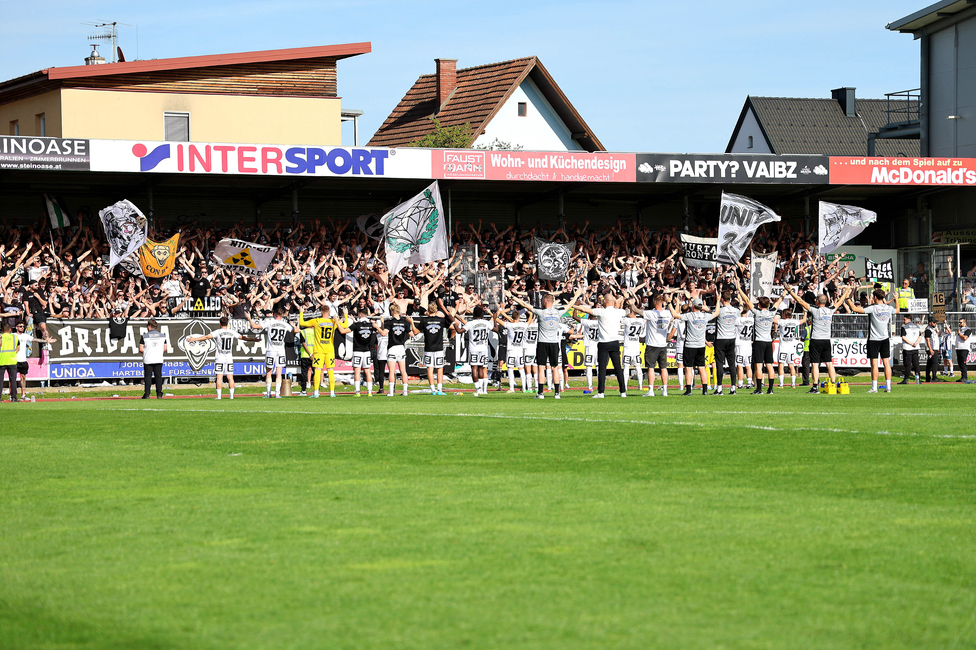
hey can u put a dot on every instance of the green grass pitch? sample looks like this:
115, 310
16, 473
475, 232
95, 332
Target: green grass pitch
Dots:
783, 521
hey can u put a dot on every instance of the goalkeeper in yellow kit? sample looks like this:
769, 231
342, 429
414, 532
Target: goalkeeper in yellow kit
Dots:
323, 348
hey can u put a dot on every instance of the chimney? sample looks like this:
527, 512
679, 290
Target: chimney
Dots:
845, 97
94, 58
446, 80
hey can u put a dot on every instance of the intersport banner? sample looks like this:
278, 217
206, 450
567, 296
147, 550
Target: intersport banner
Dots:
732, 168
951, 172
563, 166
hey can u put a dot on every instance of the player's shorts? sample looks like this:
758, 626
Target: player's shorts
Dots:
679, 355
709, 355
547, 354
274, 361
762, 352
362, 359
631, 357
434, 359
879, 349
787, 353
224, 368
480, 358
528, 357
820, 351
514, 358
589, 357
396, 353
743, 354
323, 357
694, 357
656, 357
23, 368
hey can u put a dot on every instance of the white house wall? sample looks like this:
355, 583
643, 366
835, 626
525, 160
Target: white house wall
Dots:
750, 128
540, 129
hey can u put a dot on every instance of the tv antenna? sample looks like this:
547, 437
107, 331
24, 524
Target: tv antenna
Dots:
109, 32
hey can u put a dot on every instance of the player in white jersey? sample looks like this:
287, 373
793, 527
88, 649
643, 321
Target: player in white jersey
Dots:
479, 353
820, 346
530, 349
225, 340
590, 331
658, 328
679, 346
275, 330
743, 349
879, 333
514, 357
765, 317
789, 348
633, 334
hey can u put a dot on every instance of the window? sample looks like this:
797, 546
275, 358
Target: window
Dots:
750, 142
522, 109
176, 127
40, 124
14, 127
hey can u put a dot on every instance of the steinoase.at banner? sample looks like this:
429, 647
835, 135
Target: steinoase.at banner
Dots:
699, 252
553, 258
841, 223
126, 229
739, 219
415, 231
244, 257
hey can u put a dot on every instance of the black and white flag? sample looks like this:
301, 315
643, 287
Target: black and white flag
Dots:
126, 229
700, 252
415, 232
738, 221
763, 274
879, 272
552, 258
841, 223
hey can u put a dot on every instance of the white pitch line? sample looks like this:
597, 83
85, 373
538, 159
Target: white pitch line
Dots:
498, 416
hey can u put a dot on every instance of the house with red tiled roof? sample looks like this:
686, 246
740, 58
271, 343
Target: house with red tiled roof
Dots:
516, 102
274, 96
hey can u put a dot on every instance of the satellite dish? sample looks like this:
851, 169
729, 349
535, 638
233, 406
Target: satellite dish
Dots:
121, 56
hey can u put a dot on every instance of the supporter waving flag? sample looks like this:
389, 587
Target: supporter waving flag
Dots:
415, 231
243, 256
738, 221
841, 223
126, 229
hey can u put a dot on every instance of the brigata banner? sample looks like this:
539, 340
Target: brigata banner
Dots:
53, 154
564, 166
85, 349
731, 168
958, 172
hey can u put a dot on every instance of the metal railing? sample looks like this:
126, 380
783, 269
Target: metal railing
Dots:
903, 107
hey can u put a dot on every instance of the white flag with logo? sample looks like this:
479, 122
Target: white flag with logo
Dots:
763, 273
841, 223
738, 221
126, 229
244, 257
415, 231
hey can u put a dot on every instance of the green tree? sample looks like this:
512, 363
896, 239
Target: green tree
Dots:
445, 137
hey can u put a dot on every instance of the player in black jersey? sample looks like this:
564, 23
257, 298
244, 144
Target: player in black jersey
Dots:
363, 338
432, 326
397, 330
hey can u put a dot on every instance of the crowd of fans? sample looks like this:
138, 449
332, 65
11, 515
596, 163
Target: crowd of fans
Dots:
63, 273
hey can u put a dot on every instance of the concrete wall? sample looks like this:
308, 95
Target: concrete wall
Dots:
25, 112
213, 118
539, 130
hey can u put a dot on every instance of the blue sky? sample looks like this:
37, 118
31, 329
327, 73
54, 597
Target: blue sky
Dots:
646, 76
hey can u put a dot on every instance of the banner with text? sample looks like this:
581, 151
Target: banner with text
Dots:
731, 168
952, 172
699, 252
566, 167
51, 154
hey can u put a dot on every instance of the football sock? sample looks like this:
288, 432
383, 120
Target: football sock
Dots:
793, 380
358, 383
231, 391
331, 380
317, 379
440, 387
369, 386
781, 380
770, 382
511, 379
681, 379
888, 384
267, 389
278, 386
219, 391
549, 378
589, 378
874, 384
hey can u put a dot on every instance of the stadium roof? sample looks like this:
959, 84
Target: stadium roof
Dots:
931, 14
